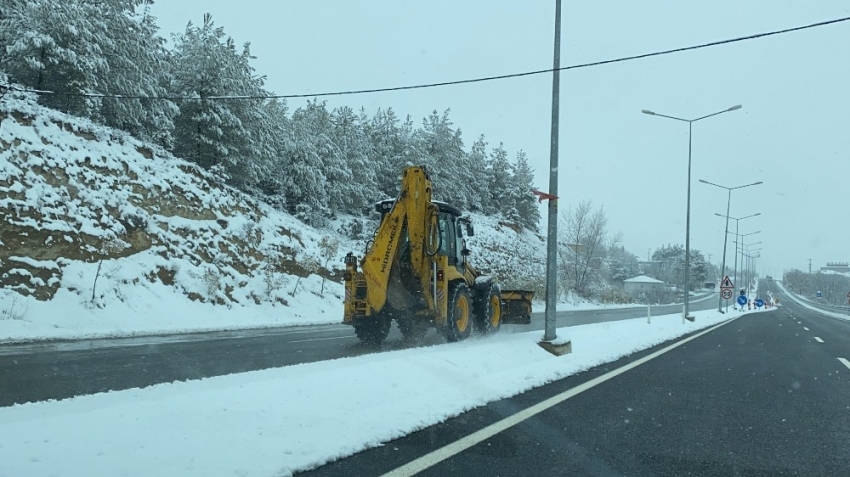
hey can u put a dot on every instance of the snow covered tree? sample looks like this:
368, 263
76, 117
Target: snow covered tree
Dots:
57, 46
354, 188
137, 62
211, 131
305, 180
499, 179
672, 259
622, 264
520, 190
387, 145
441, 149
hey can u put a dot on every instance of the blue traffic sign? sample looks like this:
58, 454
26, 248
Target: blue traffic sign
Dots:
742, 300
759, 302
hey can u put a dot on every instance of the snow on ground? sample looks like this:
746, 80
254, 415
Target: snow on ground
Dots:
152, 310
277, 421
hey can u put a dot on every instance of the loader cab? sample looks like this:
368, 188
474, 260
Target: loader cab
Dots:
453, 228
452, 225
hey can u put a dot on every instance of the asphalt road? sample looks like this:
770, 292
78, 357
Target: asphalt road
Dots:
766, 394
62, 369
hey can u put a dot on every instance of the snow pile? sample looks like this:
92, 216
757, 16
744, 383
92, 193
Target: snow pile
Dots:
278, 421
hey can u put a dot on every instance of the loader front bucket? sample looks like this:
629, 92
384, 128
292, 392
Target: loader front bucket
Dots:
516, 307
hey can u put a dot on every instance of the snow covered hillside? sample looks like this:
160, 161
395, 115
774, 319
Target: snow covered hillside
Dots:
105, 235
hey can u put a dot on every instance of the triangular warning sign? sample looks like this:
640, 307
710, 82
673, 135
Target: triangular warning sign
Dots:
727, 283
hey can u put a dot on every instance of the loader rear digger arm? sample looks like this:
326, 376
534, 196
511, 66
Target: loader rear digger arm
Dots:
414, 214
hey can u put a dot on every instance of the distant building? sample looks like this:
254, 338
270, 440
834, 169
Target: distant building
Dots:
839, 267
642, 284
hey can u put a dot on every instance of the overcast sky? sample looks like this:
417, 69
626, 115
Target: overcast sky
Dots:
792, 132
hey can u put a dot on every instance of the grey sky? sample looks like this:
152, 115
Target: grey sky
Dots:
791, 133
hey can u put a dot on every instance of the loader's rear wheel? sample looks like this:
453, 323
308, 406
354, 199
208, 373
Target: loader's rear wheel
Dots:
459, 319
374, 331
412, 329
488, 309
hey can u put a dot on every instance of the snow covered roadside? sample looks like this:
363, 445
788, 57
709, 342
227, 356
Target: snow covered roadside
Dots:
539, 306
152, 310
277, 421
156, 310
802, 303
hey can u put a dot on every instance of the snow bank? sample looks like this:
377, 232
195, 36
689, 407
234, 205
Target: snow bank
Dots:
277, 421
804, 304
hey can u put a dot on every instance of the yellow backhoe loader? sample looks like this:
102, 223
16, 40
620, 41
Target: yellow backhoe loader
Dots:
416, 271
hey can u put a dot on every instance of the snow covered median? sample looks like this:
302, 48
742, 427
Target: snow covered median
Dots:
277, 421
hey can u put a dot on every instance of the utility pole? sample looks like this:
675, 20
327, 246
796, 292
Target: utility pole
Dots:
810, 266
549, 333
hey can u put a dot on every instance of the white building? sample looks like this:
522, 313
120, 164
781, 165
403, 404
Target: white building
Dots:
642, 284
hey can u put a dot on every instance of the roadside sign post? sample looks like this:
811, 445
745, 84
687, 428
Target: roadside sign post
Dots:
726, 287
742, 300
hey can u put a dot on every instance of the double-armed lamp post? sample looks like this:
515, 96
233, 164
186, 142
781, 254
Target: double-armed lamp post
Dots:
726, 235
685, 307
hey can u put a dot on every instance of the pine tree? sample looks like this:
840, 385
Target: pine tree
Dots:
477, 164
217, 132
521, 186
57, 46
354, 183
499, 179
305, 180
441, 151
137, 62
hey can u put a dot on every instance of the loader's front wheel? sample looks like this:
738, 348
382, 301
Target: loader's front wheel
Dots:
374, 331
459, 319
488, 309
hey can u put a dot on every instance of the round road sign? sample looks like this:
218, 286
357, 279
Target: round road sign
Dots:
759, 302
742, 300
726, 294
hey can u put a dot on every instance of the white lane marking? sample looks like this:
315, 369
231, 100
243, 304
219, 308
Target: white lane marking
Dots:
818, 339
844, 362
433, 458
322, 339
805, 328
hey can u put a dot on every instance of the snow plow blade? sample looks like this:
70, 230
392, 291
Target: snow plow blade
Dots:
516, 309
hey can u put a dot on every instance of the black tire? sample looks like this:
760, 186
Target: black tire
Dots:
412, 329
374, 331
459, 321
488, 309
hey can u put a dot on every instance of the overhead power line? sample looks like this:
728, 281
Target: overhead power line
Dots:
456, 82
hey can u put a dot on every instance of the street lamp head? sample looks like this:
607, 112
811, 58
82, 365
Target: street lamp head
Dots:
736, 107
646, 111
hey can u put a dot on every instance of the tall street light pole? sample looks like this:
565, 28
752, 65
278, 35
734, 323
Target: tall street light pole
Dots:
549, 333
726, 235
737, 223
739, 243
749, 256
685, 308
